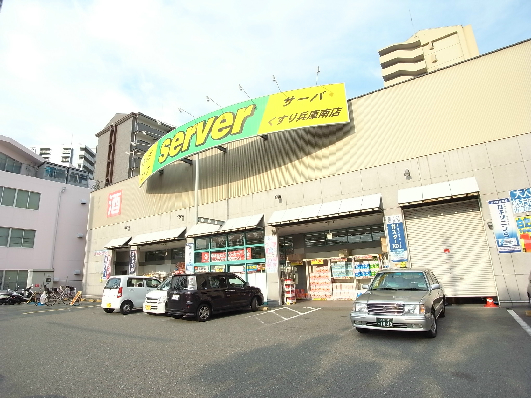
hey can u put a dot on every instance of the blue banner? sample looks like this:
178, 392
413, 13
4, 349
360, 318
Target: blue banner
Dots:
504, 225
521, 200
397, 240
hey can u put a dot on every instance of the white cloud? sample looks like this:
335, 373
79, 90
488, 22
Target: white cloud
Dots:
66, 67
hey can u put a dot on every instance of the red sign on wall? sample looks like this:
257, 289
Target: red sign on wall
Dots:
114, 204
234, 255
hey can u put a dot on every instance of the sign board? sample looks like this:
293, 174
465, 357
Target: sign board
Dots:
504, 224
312, 106
397, 241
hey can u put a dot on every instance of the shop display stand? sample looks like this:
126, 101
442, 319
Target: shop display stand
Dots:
343, 282
289, 292
320, 283
365, 268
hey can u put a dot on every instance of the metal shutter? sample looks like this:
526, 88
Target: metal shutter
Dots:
466, 271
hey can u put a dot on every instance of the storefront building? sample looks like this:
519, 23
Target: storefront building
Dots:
431, 172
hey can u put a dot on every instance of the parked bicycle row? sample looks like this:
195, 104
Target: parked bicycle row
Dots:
62, 294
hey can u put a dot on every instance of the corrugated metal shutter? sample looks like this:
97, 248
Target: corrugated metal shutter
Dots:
464, 271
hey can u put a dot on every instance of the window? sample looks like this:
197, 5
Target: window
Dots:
235, 282
218, 242
28, 238
254, 237
4, 236
156, 255
19, 198
201, 243
8, 196
16, 237
10, 165
34, 200
236, 239
152, 283
360, 234
22, 199
177, 254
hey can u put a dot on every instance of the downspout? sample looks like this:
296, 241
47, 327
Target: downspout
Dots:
63, 189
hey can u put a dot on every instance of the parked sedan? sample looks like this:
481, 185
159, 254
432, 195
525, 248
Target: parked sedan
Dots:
529, 289
400, 299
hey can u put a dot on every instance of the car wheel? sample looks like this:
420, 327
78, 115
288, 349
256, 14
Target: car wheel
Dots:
362, 330
108, 310
433, 329
126, 307
203, 313
442, 314
529, 297
254, 303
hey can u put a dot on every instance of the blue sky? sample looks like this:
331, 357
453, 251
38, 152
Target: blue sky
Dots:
67, 66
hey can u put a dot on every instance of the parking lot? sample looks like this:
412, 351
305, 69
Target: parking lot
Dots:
305, 350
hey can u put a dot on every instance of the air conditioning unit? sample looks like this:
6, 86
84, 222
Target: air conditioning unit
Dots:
80, 235
77, 272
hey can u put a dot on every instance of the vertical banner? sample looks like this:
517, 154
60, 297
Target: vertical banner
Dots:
397, 241
107, 264
114, 204
504, 225
133, 260
271, 253
521, 200
524, 232
189, 258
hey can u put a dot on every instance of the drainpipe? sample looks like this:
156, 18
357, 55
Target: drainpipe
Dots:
63, 189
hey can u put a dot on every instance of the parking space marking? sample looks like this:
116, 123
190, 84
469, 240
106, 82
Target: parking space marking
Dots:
285, 317
59, 309
524, 325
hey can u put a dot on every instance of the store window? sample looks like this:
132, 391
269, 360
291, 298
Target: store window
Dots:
360, 234
155, 255
232, 251
177, 254
236, 239
285, 247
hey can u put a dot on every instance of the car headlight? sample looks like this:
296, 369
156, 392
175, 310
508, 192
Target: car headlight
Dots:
360, 307
414, 309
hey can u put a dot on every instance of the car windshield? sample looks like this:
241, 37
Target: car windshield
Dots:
113, 283
399, 281
165, 285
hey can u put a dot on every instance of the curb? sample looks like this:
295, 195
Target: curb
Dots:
91, 300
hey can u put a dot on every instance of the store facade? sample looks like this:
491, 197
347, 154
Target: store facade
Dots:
416, 177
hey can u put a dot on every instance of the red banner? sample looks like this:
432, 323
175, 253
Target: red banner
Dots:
234, 255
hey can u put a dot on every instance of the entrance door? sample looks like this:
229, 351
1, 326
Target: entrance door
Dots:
450, 239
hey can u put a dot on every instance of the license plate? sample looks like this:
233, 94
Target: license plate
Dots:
108, 305
175, 297
148, 307
384, 322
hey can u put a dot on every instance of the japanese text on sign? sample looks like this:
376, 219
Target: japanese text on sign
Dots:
114, 204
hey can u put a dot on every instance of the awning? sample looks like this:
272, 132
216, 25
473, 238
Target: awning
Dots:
235, 224
343, 207
202, 229
118, 242
440, 191
159, 236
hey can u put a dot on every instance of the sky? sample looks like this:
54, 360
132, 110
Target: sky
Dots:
68, 66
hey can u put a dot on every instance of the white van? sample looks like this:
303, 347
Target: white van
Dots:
155, 302
126, 292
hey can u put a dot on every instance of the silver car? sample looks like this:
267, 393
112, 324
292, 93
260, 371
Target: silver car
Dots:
403, 299
529, 289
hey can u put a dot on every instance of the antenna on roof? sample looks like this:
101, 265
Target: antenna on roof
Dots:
411, 18
280, 91
241, 89
182, 110
210, 99
317, 75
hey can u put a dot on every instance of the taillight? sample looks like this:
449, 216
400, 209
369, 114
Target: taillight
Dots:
119, 292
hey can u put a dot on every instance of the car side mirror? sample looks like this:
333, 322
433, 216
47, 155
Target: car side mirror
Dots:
435, 286
246, 284
364, 286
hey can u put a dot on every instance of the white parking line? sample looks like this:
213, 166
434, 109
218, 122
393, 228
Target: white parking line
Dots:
524, 325
283, 318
